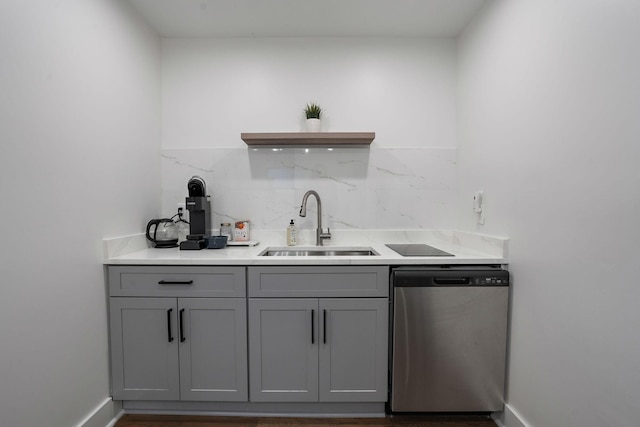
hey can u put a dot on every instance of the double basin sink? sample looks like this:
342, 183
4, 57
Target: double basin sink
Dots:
319, 251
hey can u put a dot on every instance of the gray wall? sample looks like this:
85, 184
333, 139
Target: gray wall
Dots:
549, 101
79, 161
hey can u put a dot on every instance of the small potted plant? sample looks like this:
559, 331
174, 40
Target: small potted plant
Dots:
313, 112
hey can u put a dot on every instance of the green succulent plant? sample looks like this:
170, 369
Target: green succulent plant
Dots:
313, 111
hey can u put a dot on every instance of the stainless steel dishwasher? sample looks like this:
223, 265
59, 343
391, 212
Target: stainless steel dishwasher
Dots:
449, 338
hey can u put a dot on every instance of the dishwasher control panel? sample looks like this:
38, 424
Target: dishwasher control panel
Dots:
426, 276
480, 281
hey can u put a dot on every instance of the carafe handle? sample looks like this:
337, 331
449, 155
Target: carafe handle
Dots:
149, 224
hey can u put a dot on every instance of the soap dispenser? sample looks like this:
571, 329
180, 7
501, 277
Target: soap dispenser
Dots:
292, 234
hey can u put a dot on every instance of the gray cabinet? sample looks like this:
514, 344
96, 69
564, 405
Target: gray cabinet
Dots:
319, 281
353, 349
314, 334
213, 349
318, 349
178, 348
177, 281
144, 349
283, 350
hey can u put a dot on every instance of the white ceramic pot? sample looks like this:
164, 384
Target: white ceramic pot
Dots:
313, 125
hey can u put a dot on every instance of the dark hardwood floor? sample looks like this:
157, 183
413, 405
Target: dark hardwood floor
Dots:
131, 420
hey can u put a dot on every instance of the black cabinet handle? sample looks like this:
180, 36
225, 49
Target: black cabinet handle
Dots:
175, 282
313, 315
324, 326
169, 333
182, 338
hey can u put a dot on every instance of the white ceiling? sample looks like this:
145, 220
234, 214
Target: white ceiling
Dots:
307, 18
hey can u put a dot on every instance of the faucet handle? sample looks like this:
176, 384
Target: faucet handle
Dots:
326, 235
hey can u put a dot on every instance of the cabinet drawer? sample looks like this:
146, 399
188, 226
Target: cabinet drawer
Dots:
177, 281
319, 281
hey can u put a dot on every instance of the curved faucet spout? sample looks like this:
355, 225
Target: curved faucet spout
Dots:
320, 235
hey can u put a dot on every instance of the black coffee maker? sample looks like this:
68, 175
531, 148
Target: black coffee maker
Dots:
199, 207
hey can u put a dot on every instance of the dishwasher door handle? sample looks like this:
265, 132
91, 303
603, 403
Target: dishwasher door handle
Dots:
451, 280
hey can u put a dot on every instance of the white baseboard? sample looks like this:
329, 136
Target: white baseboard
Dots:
512, 418
498, 418
104, 415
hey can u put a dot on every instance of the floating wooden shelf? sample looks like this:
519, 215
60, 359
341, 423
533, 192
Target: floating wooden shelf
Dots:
308, 138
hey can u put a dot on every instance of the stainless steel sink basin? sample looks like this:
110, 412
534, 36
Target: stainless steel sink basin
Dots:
319, 252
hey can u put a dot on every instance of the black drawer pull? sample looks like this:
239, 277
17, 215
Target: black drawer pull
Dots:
175, 282
324, 326
313, 315
169, 333
182, 338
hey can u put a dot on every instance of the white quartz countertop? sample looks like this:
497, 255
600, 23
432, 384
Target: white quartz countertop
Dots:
466, 248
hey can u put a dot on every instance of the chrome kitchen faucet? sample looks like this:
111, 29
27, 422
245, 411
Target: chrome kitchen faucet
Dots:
320, 235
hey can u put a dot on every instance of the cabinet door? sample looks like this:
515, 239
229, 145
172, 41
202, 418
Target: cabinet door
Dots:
144, 349
213, 349
353, 350
283, 345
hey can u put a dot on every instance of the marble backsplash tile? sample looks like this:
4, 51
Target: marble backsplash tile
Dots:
360, 188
